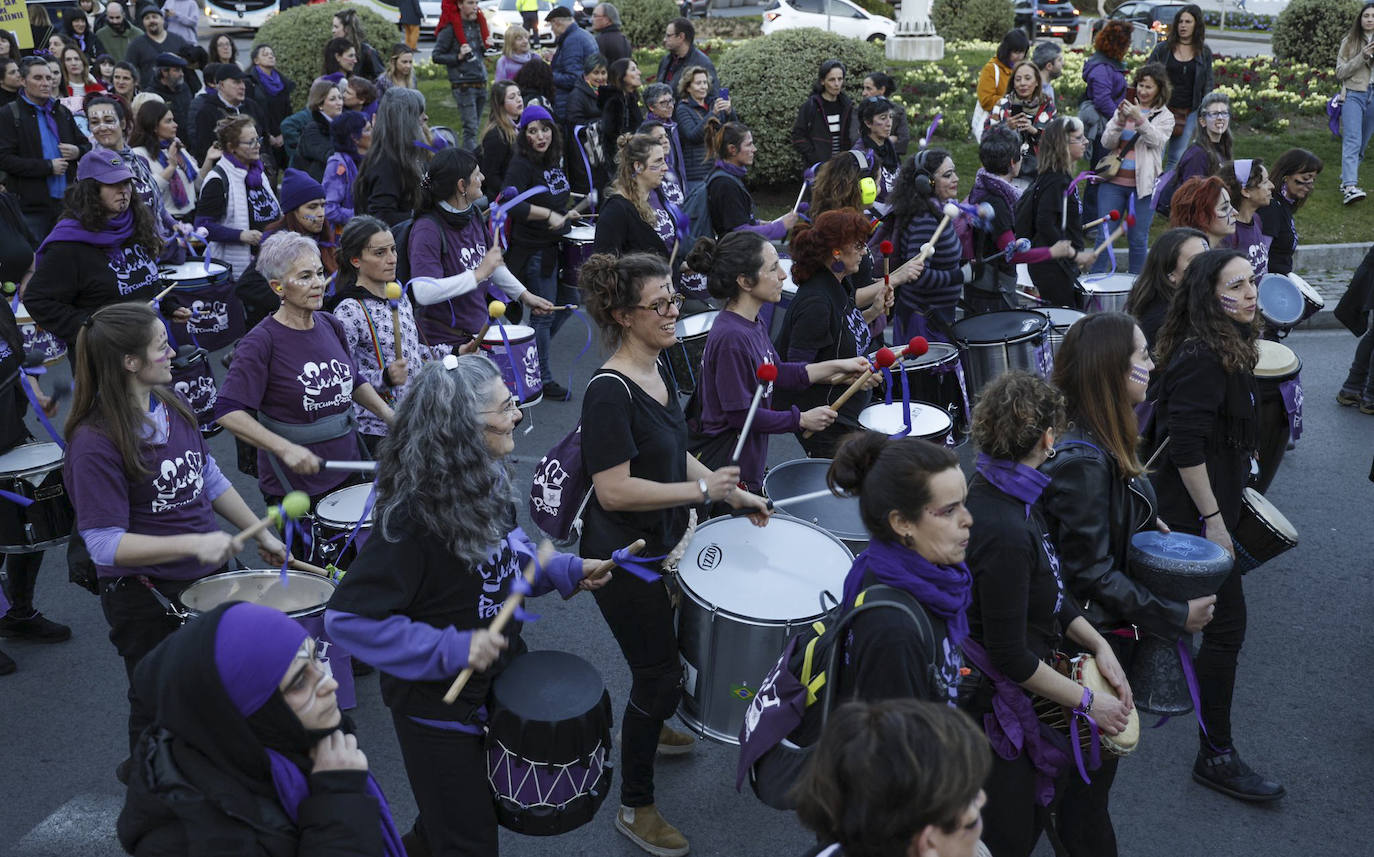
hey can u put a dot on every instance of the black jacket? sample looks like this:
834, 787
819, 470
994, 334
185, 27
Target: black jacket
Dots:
494, 157
612, 44
1055, 278
315, 146
214, 110
461, 72
1092, 513
21, 152
620, 230
179, 100
811, 133
274, 107
1358, 300
620, 114
379, 191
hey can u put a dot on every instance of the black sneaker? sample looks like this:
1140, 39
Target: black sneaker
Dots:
35, 628
1226, 773
7, 664
556, 391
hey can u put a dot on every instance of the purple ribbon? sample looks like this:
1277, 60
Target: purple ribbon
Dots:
682, 224
930, 132
586, 164
1094, 749
642, 567
501, 212
289, 531
17, 499
1091, 177
367, 510
1291, 391
906, 399
1185, 660
586, 346
517, 371
522, 586
34, 372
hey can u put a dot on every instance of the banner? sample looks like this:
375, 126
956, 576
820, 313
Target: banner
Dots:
14, 16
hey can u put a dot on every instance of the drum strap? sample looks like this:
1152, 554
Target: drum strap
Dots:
325, 428
377, 349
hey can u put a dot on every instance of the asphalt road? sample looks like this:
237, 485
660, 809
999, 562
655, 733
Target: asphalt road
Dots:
1303, 710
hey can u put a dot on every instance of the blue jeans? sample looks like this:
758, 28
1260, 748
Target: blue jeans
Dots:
1115, 196
548, 288
1357, 126
471, 102
1174, 149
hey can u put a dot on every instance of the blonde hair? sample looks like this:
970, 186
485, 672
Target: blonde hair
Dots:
633, 149
508, 40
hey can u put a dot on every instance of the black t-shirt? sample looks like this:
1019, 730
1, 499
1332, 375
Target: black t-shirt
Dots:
822, 324
1182, 79
620, 426
13, 402
522, 174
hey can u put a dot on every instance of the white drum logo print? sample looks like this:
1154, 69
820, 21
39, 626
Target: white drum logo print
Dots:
174, 476
549, 482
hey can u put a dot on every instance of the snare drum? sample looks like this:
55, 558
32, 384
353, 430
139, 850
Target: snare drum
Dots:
936, 377
38, 339
838, 516
1262, 532
192, 378
34, 470
1281, 302
216, 312
1061, 319
1107, 294
574, 248
520, 358
928, 422
684, 358
745, 590
300, 595
548, 742
1083, 670
1280, 406
335, 517
994, 342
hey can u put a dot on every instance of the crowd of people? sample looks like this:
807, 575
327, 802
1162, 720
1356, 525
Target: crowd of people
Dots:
577, 181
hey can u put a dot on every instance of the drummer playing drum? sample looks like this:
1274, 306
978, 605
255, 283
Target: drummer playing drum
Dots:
144, 484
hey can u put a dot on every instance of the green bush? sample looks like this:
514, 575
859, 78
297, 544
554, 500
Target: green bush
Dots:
878, 7
770, 78
1311, 30
972, 20
643, 21
299, 34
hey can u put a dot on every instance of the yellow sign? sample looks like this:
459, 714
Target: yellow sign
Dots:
14, 16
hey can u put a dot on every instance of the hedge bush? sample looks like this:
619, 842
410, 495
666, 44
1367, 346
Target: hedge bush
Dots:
1311, 30
972, 20
643, 21
299, 34
770, 78
878, 7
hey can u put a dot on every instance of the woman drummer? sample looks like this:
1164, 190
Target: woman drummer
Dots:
1207, 411
634, 444
445, 554
143, 483
1095, 502
294, 369
1164, 269
745, 274
1020, 615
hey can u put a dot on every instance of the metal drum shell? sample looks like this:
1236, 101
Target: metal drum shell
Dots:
1107, 294
838, 516
34, 470
1023, 344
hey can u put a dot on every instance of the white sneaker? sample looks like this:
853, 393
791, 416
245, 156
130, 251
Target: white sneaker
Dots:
1350, 193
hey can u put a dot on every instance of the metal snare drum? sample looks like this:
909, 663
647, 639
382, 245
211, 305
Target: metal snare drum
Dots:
838, 516
1061, 319
574, 248
684, 358
936, 377
994, 342
335, 517
34, 470
928, 422
1107, 294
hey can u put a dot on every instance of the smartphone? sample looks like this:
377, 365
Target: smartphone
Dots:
724, 93
1130, 95
1014, 110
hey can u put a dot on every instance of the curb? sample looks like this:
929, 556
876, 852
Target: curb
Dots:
1329, 257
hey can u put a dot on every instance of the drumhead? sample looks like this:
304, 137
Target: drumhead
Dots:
581, 234
786, 265
548, 687
1267, 512
31, 458
1276, 360
1308, 292
838, 515
771, 574
938, 354
302, 595
194, 269
1112, 284
927, 420
514, 332
1091, 677
343, 508
1061, 316
999, 327
698, 324
1280, 301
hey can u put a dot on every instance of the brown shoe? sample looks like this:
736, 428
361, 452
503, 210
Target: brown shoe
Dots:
647, 829
673, 742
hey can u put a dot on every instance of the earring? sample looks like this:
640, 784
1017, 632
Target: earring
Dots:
908, 542
837, 266
1051, 452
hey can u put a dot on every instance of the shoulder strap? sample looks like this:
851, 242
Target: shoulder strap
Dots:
615, 375
875, 597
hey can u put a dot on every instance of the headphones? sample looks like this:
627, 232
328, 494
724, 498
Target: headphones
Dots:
867, 186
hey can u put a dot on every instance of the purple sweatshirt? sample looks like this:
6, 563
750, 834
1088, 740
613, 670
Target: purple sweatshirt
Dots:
1249, 238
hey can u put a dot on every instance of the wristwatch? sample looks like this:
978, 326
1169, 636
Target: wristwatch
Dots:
705, 493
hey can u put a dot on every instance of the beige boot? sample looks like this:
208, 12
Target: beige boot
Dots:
674, 742
647, 829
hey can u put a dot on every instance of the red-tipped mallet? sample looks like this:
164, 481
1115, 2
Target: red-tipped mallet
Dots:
1112, 215
1116, 233
917, 346
767, 373
883, 359
886, 249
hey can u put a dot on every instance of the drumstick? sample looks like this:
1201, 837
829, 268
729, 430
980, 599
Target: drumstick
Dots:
498, 624
928, 249
886, 249
293, 505
393, 297
1158, 450
1030, 297
884, 358
785, 501
767, 373
605, 568
358, 466
1116, 233
1112, 215
495, 310
300, 565
801, 193
162, 294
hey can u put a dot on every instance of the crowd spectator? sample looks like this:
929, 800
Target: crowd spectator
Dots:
410, 19
196, 60
316, 144
695, 113
340, 59
359, 94
351, 134
573, 46
586, 170
1048, 57
1025, 110
79, 32
1138, 132
11, 81
9, 46
1188, 62
271, 90
230, 99
995, 78
498, 134
345, 25
1295, 175
610, 41
1105, 75
460, 46
144, 50
77, 81
515, 52
41, 27
400, 69
621, 112
679, 40
182, 18
40, 157
730, 148
173, 169
827, 122
1354, 66
535, 80
124, 81
117, 33
875, 118
882, 85
390, 172
222, 49
171, 87
237, 204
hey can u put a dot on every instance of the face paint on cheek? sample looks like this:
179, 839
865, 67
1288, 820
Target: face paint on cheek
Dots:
1229, 304
1139, 375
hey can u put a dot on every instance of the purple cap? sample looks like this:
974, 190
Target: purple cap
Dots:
104, 166
254, 646
535, 113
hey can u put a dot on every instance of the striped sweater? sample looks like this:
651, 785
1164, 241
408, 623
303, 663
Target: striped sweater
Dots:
941, 284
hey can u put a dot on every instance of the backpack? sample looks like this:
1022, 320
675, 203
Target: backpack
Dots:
1023, 215
1163, 191
789, 711
695, 207
562, 486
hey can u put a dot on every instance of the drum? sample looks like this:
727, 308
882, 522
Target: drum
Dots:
1280, 406
1061, 319
994, 342
745, 590
520, 357
1312, 301
684, 358
928, 421
192, 378
573, 249
1083, 670
1107, 294
38, 339
937, 377
216, 312
335, 517
548, 740
34, 470
1262, 532
1179, 567
838, 516
300, 595
1281, 302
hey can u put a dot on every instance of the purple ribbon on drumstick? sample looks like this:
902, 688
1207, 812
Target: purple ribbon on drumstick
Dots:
17, 499
1094, 749
34, 372
522, 586
642, 567
930, 132
501, 212
1087, 175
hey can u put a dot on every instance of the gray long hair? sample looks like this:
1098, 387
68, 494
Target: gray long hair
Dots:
434, 464
395, 130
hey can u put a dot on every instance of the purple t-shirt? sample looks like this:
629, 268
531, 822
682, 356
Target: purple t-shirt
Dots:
1249, 238
171, 500
438, 251
296, 377
734, 349
689, 282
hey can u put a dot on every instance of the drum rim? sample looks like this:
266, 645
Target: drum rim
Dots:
260, 572
337, 524
513, 333
1154, 535
1268, 504
1089, 285
683, 337
1288, 370
916, 366
993, 343
47, 467
1259, 299
573, 239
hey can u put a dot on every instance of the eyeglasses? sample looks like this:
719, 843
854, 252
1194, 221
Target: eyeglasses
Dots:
510, 406
661, 305
665, 101
1216, 116
256, 141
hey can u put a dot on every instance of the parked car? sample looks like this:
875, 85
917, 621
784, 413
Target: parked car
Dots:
1154, 18
1048, 18
843, 18
501, 14
429, 19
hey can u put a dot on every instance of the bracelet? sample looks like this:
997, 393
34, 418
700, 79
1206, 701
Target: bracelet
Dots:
1213, 515
705, 491
1085, 705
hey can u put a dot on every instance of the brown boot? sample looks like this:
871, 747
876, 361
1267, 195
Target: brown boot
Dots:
647, 829
673, 742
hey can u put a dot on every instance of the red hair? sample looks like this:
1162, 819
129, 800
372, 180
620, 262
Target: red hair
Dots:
1195, 202
814, 246
1113, 40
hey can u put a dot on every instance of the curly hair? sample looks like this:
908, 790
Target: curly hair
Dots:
1113, 40
1195, 202
82, 204
887, 475
912, 197
613, 284
1013, 413
836, 187
1196, 315
814, 246
633, 151
230, 128
1091, 368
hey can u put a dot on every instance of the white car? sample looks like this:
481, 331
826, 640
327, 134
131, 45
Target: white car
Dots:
429, 18
501, 14
844, 18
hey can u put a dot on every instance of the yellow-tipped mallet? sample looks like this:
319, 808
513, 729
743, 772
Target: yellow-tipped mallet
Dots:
293, 505
393, 297
497, 311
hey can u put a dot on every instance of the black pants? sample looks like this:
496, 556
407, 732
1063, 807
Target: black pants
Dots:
1012, 819
1360, 378
1274, 434
1082, 815
138, 622
448, 776
21, 572
640, 616
1217, 659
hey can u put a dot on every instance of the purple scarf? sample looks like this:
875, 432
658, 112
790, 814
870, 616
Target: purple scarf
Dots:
272, 83
733, 169
176, 185
1013, 478
293, 787
945, 590
118, 230
986, 185
254, 177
